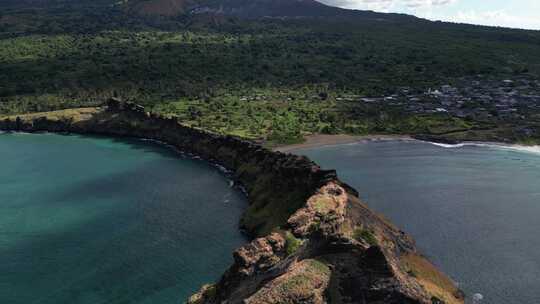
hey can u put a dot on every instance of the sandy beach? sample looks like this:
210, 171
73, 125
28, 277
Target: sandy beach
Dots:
319, 140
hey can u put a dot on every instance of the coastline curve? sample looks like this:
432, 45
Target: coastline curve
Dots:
314, 241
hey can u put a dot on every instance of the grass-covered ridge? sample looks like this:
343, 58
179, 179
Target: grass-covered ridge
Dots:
430, 278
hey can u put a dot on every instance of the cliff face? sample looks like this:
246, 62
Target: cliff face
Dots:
315, 242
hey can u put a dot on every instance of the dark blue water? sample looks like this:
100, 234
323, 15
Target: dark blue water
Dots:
475, 211
95, 220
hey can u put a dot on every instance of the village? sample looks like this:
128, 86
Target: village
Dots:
478, 99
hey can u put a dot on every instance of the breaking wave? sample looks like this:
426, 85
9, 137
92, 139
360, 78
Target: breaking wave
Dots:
518, 148
447, 145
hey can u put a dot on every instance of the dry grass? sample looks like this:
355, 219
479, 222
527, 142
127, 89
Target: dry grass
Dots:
436, 283
324, 205
304, 283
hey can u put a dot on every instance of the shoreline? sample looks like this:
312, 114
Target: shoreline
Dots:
322, 140
284, 191
535, 149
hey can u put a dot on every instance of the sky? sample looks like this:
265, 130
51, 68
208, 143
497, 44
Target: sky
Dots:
506, 13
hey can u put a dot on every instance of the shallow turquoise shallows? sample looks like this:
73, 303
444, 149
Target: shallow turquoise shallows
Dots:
475, 211
88, 220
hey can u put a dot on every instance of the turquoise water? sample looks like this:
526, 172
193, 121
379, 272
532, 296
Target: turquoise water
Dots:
97, 220
474, 211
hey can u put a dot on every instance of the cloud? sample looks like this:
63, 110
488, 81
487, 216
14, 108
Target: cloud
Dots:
521, 16
496, 18
387, 5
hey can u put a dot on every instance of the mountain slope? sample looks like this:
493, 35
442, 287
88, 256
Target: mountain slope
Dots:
161, 7
56, 54
241, 8
270, 8
249, 9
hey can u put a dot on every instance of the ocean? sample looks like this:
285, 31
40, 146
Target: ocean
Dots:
474, 210
89, 220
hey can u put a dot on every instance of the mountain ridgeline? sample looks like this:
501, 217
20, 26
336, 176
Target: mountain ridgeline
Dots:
250, 9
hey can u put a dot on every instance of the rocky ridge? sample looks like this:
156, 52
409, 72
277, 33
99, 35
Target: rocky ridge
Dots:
314, 241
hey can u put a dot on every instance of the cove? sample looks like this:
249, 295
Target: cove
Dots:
104, 220
473, 210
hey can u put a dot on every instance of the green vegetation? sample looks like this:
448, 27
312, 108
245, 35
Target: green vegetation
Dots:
271, 206
305, 280
313, 271
319, 267
291, 243
324, 205
268, 79
280, 120
365, 235
155, 65
436, 283
207, 292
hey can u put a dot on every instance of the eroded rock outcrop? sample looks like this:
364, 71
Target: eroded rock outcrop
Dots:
314, 241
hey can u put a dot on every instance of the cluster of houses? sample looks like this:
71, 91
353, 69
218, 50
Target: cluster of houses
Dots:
471, 98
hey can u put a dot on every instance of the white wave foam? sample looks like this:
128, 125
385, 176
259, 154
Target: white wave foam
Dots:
221, 168
447, 145
528, 149
477, 298
517, 148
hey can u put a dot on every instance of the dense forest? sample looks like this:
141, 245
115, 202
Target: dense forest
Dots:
212, 70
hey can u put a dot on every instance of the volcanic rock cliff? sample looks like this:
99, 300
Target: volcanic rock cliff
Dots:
314, 240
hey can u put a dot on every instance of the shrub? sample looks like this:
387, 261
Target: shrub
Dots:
361, 234
291, 243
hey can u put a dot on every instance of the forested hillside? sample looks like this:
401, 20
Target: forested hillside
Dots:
58, 54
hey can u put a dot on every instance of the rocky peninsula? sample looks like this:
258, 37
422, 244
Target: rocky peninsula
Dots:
313, 240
